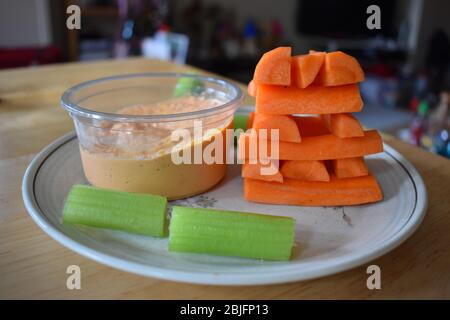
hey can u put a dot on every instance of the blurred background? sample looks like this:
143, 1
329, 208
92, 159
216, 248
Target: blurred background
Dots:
407, 87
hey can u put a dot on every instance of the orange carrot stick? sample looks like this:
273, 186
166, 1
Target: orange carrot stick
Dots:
343, 125
339, 69
251, 88
311, 126
254, 171
311, 100
304, 68
286, 125
350, 167
251, 118
323, 147
305, 170
336, 192
274, 67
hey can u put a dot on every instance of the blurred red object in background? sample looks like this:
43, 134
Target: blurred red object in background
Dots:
23, 57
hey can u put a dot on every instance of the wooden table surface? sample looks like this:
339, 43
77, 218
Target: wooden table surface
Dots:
32, 265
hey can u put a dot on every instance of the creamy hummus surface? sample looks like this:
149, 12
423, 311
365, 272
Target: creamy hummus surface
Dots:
136, 157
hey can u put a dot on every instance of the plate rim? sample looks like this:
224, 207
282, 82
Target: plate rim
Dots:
212, 278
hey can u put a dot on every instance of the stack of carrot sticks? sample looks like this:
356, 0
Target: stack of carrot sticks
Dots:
321, 146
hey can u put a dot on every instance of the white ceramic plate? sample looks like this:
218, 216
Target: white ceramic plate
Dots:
328, 240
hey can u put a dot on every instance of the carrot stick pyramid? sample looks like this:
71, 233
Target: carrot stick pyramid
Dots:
320, 154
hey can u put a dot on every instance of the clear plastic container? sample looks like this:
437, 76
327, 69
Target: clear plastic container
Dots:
125, 123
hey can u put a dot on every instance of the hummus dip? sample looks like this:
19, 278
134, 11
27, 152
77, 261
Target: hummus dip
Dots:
137, 157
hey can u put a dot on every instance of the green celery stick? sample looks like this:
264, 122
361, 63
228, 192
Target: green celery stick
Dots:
240, 121
118, 210
188, 85
231, 233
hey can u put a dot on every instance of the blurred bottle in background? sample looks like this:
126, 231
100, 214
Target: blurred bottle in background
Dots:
419, 125
440, 126
138, 19
250, 47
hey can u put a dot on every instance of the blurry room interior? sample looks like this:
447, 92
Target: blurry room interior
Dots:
407, 85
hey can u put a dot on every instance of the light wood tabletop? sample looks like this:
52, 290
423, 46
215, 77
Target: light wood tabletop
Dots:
32, 265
